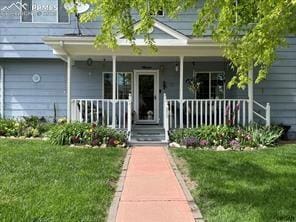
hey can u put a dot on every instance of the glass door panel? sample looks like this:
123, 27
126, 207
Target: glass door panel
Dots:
146, 97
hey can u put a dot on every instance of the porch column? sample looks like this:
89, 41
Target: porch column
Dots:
251, 94
69, 67
114, 91
181, 89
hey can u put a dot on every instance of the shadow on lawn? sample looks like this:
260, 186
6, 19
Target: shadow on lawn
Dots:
262, 187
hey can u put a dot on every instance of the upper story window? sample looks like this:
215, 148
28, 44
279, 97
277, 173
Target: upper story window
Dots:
44, 11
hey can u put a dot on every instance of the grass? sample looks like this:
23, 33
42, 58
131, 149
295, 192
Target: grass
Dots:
243, 186
42, 182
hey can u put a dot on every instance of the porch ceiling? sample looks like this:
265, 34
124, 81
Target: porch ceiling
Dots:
81, 48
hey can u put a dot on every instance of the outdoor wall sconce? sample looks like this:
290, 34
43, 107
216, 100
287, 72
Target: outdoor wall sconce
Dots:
177, 67
89, 62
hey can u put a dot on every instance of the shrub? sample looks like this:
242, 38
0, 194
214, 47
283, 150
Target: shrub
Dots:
85, 133
227, 136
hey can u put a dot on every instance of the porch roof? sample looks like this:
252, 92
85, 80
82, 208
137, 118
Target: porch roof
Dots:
82, 47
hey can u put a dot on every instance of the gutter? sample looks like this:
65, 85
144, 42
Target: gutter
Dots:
2, 91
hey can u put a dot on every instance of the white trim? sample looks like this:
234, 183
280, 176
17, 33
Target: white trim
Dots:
114, 80
69, 64
251, 95
195, 73
165, 28
155, 73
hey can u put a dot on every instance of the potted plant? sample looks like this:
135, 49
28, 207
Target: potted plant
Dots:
193, 85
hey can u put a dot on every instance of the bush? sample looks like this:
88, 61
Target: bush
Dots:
227, 136
28, 126
85, 133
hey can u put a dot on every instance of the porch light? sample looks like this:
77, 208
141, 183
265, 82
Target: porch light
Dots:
177, 67
89, 61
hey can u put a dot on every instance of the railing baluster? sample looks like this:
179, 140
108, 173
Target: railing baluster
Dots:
170, 113
187, 116
175, 113
91, 111
202, 114
86, 111
196, 113
108, 112
215, 112
97, 111
244, 112
220, 112
80, 111
238, 111
124, 114
211, 112
119, 114
192, 111
206, 112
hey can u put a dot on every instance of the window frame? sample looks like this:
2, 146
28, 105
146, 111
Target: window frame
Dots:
195, 73
103, 85
55, 23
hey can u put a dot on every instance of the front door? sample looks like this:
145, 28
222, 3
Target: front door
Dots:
146, 99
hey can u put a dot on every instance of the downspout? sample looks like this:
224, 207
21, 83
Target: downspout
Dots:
2, 91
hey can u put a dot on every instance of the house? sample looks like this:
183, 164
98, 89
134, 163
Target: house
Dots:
47, 71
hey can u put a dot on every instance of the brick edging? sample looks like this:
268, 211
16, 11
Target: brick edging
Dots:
194, 208
112, 213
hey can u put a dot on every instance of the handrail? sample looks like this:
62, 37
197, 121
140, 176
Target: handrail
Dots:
266, 110
129, 118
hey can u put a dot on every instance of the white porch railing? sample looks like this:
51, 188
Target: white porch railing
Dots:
192, 113
266, 112
100, 111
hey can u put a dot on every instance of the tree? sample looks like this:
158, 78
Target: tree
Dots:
249, 30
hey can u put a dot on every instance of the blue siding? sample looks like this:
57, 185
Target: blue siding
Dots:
24, 40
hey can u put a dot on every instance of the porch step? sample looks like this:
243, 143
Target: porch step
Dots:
148, 143
148, 135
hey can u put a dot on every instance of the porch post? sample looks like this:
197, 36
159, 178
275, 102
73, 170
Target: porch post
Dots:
251, 94
181, 89
69, 66
114, 91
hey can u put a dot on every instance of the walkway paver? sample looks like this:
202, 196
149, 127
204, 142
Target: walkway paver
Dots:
151, 191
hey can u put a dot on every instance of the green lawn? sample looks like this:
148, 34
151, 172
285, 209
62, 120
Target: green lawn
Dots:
243, 186
42, 182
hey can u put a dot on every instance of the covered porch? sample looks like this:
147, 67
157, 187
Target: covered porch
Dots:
152, 89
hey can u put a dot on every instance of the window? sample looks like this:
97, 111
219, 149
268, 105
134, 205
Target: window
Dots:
44, 11
123, 85
212, 85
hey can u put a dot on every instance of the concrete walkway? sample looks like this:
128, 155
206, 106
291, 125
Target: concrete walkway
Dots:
151, 191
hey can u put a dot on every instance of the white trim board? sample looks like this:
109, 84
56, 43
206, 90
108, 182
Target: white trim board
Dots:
165, 28
137, 73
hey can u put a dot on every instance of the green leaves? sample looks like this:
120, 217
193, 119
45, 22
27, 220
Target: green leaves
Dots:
249, 30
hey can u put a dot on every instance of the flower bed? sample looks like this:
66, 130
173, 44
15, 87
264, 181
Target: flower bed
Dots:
226, 137
87, 134
28, 127
62, 133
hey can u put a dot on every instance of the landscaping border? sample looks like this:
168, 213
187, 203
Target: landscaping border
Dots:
194, 208
112, 213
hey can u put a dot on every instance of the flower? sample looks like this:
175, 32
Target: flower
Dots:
234, 143
203, 142
193, 84
190, 141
